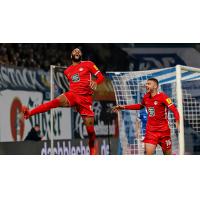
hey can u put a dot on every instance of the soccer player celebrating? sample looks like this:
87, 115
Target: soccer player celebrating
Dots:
157, 128
79, 95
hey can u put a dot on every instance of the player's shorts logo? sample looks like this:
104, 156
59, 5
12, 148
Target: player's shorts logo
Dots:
75, 78
151, 111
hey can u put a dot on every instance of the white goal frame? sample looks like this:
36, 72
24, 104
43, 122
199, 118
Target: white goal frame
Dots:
52, 67
179, 93
52, 91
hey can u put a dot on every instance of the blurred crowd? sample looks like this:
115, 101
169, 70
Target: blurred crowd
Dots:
108, 57
32, 55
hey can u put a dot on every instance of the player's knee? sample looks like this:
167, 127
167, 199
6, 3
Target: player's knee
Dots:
63, 101
88, 121
167, 152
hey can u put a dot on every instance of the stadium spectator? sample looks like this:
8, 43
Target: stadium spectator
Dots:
34, 134
44, 55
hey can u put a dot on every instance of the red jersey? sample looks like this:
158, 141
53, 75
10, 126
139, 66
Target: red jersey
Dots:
157, 108
79, 77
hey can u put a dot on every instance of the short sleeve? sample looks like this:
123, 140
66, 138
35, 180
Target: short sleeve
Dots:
166, 100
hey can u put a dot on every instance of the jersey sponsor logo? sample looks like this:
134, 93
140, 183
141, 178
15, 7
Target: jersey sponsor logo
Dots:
151, 111
75, 78
155, 102
96, 67
169, 101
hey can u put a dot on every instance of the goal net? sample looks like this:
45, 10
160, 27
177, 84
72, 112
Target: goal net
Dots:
180, 83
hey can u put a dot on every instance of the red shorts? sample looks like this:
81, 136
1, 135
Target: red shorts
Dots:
161, 138
82, 103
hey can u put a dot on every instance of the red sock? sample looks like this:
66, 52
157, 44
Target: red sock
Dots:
45, 107
92, 137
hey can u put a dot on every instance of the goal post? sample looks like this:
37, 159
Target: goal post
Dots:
53, 82
179, 91
179, 97
129, 88
52, 67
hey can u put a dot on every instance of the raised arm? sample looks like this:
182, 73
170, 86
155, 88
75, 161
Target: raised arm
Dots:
168, 102
127, 107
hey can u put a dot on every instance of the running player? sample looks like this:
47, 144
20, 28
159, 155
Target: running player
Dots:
157, 128
81, 88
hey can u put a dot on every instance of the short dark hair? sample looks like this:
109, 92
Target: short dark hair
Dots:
155, 80
80, 48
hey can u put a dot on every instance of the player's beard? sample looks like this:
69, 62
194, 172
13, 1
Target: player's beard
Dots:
74, 59
148, 90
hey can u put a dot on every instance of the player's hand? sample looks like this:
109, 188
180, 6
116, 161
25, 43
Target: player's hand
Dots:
93, 85
178, 125
117, 108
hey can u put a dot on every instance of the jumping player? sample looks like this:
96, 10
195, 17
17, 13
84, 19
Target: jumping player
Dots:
81, 88
157, 128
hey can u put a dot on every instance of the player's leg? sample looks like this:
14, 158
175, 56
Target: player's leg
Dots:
84, 107
149, 148
89, 123
166, 145
151, 141
60, 101
167, 152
